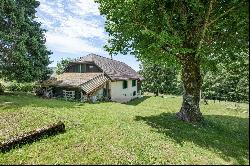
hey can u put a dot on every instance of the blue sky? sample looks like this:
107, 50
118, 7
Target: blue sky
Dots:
75, 29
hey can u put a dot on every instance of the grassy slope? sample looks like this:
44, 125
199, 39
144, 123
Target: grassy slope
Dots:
144, 131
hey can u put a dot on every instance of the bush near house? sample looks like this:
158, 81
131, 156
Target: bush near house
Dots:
19, 87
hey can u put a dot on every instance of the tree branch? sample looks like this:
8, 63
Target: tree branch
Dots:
216, 19
163, 10
205, 24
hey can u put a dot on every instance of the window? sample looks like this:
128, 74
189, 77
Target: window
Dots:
69, 95
76, 68
133, 82
125, 84
92, 68
134, 93
83, 68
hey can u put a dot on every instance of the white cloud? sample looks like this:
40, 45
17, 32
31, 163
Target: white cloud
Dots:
47, 24
72, 20
56, 12
84, 7
76, 27
66, 44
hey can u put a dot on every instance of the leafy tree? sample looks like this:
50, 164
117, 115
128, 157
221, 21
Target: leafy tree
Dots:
160, 78
23, 54
195, 34
229, 82
61, 66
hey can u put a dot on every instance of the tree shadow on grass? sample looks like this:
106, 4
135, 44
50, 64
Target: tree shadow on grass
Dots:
227, 136
137, 101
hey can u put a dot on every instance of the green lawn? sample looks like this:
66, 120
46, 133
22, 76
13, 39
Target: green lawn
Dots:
144, 131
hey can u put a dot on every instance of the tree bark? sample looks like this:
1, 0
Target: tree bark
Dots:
192, 81
1, 89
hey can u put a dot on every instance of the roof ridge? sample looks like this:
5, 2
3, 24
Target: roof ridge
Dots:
91, 54
112, 68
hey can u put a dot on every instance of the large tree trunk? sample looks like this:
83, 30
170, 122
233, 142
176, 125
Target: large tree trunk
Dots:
192, 81
1, 89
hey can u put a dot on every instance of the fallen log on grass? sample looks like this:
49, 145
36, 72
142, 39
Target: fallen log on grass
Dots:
31, 136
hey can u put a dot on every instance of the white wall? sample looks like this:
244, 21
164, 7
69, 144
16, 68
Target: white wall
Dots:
122, 95
98, 94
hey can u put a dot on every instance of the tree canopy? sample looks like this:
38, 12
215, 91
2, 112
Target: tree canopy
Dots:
195, 34
61, 65
160, 79
167, 30
23, 54
229, 82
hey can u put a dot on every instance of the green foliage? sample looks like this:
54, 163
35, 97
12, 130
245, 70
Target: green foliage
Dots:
229, 82
168, 31
161, 79
23, 54
13, 86
20, 87
61, 66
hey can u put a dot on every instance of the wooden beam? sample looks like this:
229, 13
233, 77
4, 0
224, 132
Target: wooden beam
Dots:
31, 136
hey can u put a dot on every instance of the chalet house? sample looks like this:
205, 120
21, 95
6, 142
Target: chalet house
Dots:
94, 77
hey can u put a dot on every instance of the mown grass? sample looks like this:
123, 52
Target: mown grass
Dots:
144, 131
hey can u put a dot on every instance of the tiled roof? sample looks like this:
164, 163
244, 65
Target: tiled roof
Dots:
71, 79
95, 83
116, 70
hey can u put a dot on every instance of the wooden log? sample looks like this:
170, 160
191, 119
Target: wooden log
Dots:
31, 136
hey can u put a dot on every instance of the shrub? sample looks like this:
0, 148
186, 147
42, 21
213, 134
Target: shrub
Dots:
13, 86
27, 87
22, 87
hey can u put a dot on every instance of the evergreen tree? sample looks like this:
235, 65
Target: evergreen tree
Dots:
23, 54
